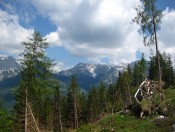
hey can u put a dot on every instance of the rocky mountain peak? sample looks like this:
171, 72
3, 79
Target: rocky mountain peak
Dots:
91, 74
8, 67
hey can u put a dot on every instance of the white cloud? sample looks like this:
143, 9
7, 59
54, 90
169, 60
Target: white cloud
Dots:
12, 34
53, 39
96, 60
59, 66
94, 29
167, 32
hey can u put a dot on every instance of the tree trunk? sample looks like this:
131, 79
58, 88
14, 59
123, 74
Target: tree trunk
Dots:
60, 119
157, 51
26, 111
129, 93
75, 110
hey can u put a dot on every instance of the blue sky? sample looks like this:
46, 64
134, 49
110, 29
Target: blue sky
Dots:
90, 31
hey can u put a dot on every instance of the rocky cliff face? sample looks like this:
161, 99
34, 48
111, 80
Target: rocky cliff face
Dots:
91, 74
8, 67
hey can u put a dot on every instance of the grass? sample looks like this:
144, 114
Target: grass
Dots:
117, 122
127, 123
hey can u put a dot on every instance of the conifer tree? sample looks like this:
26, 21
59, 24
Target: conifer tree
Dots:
83, 114
57, 108
93, 105
136, 80
102, 97
167, 69
73, 103
35, 67
123, 87
130, 72
6, 120
139, 71
152, 69
111, 97
149, 19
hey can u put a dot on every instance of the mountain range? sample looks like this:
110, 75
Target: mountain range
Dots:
87, 75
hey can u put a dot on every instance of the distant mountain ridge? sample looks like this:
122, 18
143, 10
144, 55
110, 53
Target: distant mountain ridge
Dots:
87, 75
91, 74
8, 67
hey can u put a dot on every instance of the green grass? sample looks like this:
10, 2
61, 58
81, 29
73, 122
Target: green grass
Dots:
127, 123
117, 122
170, 94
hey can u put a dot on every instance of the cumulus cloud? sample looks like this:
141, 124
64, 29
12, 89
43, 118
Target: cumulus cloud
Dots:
58, 66
12, 34
167, 32
94, 29
53, 39
98, 29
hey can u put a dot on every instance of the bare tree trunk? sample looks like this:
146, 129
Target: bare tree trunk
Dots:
33, 118
26, 111
129, 93
75, 110
105, 102
76, 113
60, 119
157, 51
113, 101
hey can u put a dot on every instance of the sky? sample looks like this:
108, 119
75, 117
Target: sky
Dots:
83, 31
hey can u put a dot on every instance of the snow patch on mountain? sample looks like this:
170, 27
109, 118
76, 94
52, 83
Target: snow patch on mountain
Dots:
3, 57
91, 74
8, 67
91, 69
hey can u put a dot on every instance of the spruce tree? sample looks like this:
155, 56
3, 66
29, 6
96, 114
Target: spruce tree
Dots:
83, 114
6, 120
149, 19
93, 105
35, 68
152, 69
167, 69
73, 103
111, 97
136, 80
102, 97
57, 108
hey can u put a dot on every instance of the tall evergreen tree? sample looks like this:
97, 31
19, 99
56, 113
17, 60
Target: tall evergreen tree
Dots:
153, 69
149, 19
102, 97
111, 97
73, 103
93, 105
6, 120
136, 80
35, 67
83, 114
123, 88
139, 71
57, 108
167, 69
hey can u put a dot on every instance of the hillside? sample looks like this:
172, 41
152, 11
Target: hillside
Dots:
126, 122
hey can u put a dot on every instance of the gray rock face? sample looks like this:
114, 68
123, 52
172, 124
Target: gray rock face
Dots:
8, 67
92, 74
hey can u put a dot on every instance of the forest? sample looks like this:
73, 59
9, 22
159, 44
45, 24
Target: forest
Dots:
41, 105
